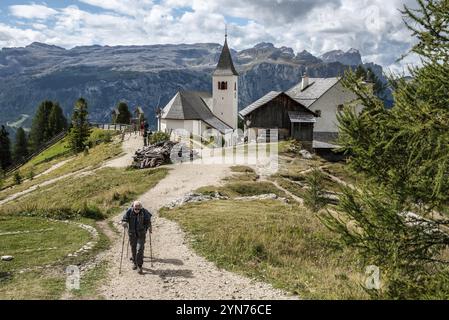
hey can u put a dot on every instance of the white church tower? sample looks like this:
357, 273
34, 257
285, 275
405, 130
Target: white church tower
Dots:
225, 88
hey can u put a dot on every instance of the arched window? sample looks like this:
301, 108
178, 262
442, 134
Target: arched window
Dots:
223, 85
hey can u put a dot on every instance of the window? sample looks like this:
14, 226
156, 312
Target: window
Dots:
318, 113
340, 107
223, 85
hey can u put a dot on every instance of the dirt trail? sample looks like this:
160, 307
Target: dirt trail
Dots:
131, 143
178, 273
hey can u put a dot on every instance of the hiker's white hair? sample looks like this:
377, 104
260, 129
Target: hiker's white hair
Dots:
137, 203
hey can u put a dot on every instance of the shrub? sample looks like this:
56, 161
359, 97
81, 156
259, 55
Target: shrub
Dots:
158, 137
91, 212
31, 173
18, 177
99, 136
313, 196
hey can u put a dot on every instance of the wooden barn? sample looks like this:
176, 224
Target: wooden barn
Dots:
277, 110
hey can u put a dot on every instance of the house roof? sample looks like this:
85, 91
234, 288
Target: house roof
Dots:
323, 145
315, 90
301, 117
267, 98
191, 105
225, 66
258, 103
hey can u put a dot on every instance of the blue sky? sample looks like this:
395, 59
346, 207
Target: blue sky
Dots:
374, 27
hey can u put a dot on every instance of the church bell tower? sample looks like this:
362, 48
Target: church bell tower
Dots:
225, 88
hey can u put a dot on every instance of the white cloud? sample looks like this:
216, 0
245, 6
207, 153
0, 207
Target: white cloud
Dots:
32, 11
373, 26
11, 36
128, 7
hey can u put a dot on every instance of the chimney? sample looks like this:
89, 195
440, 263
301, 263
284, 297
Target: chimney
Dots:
305, 80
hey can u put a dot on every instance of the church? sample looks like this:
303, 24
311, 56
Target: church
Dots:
197, 112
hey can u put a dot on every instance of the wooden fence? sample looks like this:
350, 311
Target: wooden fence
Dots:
59, 137
42, 148
114, 127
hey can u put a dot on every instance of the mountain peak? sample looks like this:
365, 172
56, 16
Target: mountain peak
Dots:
305, 57
40, 45
264, 45
352, 50
351, 58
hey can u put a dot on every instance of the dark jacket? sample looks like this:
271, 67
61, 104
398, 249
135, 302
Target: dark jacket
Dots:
138, 223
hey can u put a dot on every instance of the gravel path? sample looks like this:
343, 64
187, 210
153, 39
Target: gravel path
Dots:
131, 143
177, 272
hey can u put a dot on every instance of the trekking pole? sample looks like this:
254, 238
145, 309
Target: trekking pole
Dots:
121, 257
127, 248
151, 250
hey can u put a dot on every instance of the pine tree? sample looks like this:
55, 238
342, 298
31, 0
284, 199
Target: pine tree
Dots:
5, 149
124, 116
404, 152
40, 131
20, 146
56, 120
80, 131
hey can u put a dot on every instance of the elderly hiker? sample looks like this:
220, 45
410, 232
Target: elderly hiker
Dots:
138, 221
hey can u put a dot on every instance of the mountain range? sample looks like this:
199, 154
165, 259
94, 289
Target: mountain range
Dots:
147, 76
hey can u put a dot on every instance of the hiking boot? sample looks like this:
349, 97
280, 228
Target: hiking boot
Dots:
134, 267
140, 270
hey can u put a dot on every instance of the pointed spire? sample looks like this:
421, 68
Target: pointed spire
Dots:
225, 66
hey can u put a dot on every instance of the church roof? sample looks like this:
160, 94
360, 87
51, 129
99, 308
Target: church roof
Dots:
225, 66
191, 105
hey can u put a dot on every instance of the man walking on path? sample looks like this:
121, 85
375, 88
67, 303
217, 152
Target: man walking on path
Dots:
138, 221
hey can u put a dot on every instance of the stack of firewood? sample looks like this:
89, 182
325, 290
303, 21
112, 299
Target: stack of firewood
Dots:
162, 153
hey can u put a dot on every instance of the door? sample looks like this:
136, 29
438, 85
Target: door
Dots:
302, 131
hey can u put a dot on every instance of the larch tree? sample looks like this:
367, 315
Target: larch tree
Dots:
395, 220
80, 130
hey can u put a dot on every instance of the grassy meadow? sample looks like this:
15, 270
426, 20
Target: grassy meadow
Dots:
284, 244
40, 246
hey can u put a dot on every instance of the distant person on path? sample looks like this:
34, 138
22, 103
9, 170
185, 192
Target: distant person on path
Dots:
142, 127
145, 134
138, 221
